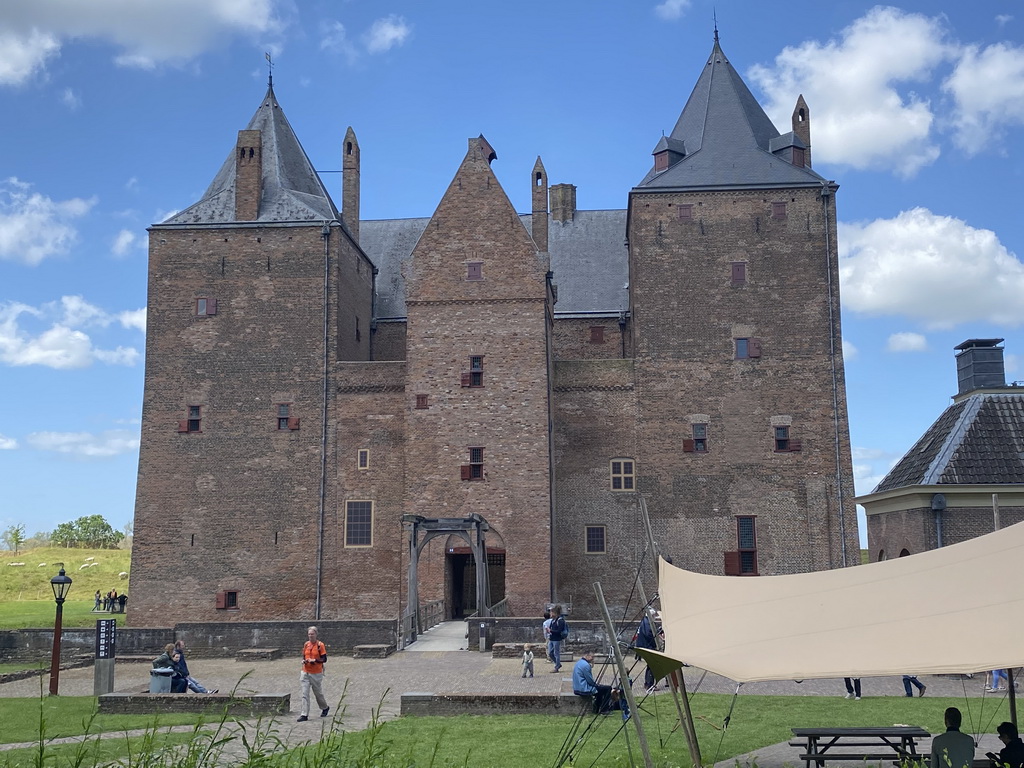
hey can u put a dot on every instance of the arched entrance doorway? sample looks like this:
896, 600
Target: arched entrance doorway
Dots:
471, 531
460, 575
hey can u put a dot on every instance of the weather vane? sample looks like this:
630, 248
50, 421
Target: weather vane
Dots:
270, 69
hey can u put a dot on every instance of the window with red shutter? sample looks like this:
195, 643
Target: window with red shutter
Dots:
754, 348
467, 380
422, 401
732, 563
466, 472
597, 334
739, 272
686, 212
688, 445
475, 270
221, 600
293, 422
778, 211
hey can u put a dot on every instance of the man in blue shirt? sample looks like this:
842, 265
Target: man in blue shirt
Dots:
583, 683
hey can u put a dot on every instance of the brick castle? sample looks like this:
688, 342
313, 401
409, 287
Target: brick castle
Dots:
340, 412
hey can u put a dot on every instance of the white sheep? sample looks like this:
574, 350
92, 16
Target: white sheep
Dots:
41, 565
89, 558
83, 565
92, 564
123, 575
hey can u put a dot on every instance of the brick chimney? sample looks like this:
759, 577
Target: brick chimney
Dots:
350, 184
248, 175
563, 202
539, 219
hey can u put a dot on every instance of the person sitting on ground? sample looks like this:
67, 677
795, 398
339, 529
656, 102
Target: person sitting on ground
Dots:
1012, 754
583, 683
171, 659
190, 682
952, 749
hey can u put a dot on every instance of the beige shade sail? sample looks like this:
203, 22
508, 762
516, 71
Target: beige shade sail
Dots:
949, 610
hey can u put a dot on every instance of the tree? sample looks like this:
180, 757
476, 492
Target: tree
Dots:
90, 531
14, 537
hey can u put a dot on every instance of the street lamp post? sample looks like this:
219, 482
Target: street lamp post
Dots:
61, 584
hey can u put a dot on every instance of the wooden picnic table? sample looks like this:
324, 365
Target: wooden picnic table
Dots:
894, 743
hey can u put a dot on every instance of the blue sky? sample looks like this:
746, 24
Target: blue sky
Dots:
118, 113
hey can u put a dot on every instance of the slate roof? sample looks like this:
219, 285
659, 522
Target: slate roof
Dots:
727, 137
588, 258
979, 440
292, 190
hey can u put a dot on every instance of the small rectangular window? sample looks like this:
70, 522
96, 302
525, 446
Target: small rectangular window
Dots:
422, 401
206, 307
595, 539
476, 371
778, 211
475, 270
476, 464
746, 544
622, 475
747, 349
227, 599
283, 410
194, 422
363, 458
358, 523
700, 438
782, 438
739, 272
597, 334
686, 212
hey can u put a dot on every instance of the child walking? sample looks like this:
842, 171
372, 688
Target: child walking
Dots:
527, 660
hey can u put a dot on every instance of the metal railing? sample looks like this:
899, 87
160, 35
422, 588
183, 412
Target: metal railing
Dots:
500, 608
431, 614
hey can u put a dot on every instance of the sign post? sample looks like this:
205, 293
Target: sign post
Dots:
103, 675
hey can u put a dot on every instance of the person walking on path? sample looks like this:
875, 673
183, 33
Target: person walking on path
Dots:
314, 656
952, 749
645, 638
909, 680
852, 687
559, 631
547, 636
96, 605
527, 660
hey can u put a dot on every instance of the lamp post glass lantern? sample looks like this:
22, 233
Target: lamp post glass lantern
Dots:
61, 584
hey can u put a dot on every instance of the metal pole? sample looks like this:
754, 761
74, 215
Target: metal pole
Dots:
1013, 696
995, 511
55, 658
627, 688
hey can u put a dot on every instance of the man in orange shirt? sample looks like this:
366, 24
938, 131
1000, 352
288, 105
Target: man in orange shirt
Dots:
314, 656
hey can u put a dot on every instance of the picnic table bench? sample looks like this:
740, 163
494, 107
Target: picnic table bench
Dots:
894, 743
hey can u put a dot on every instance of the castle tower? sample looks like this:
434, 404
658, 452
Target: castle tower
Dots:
242, 319
539, 218
802, 126
350, 184
477, 388
744, 450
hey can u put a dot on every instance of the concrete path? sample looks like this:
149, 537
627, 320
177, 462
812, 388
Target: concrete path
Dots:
363, 686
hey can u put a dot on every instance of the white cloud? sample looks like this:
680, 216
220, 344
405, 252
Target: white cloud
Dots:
147, 33
859, 115
135, 318
870, 466
988, 88
123, 242
334, 38
85, 444
60, 343
21, 55
850, 352
384, 34
936, 270
907, 341
34, 227
71, 100
670, 10
7, 443
1003, 19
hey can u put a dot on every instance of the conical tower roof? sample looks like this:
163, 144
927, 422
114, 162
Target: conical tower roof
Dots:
291, 189
725, 137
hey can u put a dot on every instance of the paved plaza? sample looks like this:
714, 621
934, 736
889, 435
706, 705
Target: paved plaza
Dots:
439, 663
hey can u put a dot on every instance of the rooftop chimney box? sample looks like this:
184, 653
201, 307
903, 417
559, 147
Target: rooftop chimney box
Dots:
979, 365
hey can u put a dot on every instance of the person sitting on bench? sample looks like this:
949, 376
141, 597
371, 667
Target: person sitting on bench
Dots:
583, 683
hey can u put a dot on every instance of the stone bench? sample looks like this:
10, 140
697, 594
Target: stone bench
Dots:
378, 651
419, 704
258, 654
248, 705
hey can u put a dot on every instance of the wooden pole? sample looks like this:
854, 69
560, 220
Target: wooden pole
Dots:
623, 675
677, 686
995, 511
1013, 696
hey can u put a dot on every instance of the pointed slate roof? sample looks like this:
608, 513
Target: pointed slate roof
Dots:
978, 440
727, 137
292, 190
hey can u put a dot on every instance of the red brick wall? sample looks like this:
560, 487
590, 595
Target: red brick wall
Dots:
573, 339
914, 529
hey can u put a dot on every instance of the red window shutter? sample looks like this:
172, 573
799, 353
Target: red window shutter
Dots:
467, 379
293, 422
794, 445
222, 599
754, 348
211, 306
183, 425
467, 472
739, 272
732, 563
688, 445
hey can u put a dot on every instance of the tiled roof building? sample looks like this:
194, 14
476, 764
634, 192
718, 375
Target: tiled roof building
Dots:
345, 417
965, 474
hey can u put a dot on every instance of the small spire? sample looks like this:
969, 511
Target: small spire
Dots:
270, 68
714, 15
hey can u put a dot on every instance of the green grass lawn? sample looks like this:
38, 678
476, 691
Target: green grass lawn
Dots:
21, 614
89, 569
